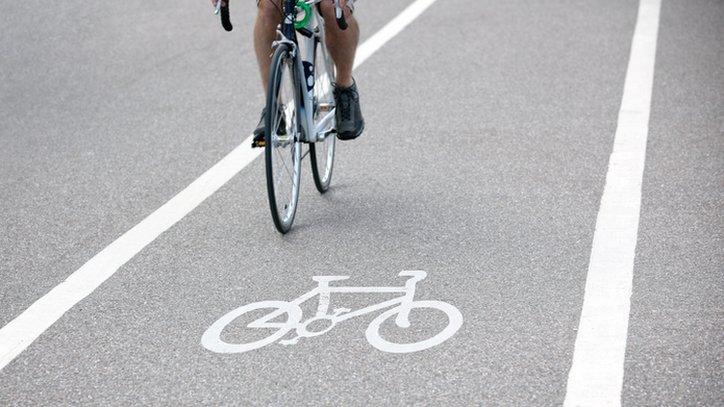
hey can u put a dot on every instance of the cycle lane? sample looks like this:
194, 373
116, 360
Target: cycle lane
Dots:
98, 133
491, 225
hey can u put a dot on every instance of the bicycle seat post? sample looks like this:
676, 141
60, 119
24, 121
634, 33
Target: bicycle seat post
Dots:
323, 292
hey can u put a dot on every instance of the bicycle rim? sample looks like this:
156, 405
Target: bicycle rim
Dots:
455, 321
213, 341
322, 152
283, 151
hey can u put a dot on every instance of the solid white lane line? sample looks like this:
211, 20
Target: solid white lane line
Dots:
391, 29
596, 375
19, 333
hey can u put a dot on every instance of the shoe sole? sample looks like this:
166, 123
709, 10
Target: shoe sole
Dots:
349, 136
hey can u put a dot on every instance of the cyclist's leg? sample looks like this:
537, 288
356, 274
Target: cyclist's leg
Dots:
268, 17
342, 44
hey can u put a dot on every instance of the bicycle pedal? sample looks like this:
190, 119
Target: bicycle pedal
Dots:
258, 143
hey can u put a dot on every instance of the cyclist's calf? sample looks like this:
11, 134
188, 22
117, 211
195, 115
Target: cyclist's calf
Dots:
270, 10
326, 8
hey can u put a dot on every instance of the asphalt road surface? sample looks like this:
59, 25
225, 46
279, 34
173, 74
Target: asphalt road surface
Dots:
490, 129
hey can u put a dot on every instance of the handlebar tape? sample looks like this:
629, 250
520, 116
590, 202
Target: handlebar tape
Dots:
225, 21
341, 21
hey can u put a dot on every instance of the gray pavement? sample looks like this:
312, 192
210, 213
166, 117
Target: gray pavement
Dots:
675, 352
489, 127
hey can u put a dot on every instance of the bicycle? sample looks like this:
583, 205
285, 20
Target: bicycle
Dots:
300, 106
401, 307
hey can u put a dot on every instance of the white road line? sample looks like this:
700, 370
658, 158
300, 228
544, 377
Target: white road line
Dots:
19, 333
391, 29
596, 375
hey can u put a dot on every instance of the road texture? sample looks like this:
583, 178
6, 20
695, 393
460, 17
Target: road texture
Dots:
489, 130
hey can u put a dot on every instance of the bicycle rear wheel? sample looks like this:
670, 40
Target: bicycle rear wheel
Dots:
283, 151
321, 153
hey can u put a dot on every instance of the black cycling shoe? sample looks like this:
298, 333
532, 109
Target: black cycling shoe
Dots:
350, 122
260, 130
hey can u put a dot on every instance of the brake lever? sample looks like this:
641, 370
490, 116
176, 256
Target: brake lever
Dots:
339, 15
224, 11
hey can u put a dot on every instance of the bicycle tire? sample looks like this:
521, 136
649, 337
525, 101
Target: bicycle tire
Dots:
212, 340
323, 164
280, 103
455, 321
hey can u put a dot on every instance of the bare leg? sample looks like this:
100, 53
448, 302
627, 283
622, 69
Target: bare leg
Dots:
268, 16
342, 44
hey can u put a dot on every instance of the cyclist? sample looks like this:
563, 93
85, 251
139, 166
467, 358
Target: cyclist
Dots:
342, 45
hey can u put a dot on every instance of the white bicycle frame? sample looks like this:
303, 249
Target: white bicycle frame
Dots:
302, 51
324, 291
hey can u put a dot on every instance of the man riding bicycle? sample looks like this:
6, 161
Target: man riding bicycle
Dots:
342, 46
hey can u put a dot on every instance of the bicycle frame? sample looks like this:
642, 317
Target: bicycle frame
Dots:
324, 291
304, 79
399, 308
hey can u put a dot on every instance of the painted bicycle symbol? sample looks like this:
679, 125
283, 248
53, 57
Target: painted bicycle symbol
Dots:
401, 307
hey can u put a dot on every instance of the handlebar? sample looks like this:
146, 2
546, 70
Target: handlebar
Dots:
339, 15
222, 8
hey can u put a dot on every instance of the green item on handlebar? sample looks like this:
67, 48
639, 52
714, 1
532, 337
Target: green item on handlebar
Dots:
307, 14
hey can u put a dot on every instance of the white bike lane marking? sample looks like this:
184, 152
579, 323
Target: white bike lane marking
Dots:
596, 375
401, 308
19, 333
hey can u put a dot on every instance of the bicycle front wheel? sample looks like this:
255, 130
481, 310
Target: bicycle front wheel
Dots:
283, 149
321, 153
455, 321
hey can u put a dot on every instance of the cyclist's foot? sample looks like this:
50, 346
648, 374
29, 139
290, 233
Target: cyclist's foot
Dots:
259, 140
260, 131
350, 123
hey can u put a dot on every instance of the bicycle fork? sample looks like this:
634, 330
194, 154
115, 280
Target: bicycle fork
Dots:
402, 319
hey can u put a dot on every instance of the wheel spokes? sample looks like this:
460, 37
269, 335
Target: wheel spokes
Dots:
284, 148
